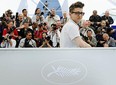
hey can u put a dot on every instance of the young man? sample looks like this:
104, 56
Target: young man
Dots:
70, 36
27, 42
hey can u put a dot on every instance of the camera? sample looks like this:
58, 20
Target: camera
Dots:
50, 14
54, 27
40, 15
3, 18
48, 38
9, 11
9, 37
84, 37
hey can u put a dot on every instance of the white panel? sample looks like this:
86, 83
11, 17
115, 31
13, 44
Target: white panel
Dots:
58, 66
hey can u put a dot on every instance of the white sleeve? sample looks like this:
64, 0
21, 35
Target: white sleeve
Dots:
57, 18
34, 18
13, 43
21, 44
73, 32
46, 19
3, 44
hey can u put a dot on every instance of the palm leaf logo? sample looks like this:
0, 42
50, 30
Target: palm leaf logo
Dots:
64, 72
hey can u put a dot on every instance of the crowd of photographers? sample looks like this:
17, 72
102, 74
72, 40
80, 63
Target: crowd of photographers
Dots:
21, 31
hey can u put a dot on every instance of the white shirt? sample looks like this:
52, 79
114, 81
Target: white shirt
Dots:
34, 19
55, 36
52, 20
6, 44
68, 33
31, 42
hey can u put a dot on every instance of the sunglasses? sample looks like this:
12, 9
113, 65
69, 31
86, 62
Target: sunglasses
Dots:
79, 13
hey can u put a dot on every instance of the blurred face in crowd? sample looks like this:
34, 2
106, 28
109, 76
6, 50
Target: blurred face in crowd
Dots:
103, 23
58, 23
89, 22
77, 14
40, 27
10, 24
107, 13
45, 26
89, 33
29, 35
38, 11
25, 13
105, 36
85, 24
26, 25
44, 35
20, 17
53, 12
65, 15
8, 13
95, 12
34, 25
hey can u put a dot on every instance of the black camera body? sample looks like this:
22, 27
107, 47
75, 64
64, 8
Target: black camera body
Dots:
54, 26
9, 37
50, 14
9, 32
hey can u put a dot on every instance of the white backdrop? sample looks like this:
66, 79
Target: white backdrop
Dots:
90, 5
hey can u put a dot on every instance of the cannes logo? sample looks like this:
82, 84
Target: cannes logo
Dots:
64, 72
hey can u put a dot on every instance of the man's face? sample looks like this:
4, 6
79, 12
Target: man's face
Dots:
10, 25
20, 17
89, 33
25, 13
38, 11
29, 36
58, 24
94, 12
106, 13
26, 25
53, 12
106, 37
77, 14
103, 23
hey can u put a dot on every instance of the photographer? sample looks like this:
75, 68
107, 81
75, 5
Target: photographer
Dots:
106, 41
38, 17
54, 34
45, 41
26, 18
27, 42
22, 32
90, 39
10, 30
7, 42
109, 20
52, 18
8, 15
19, 21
